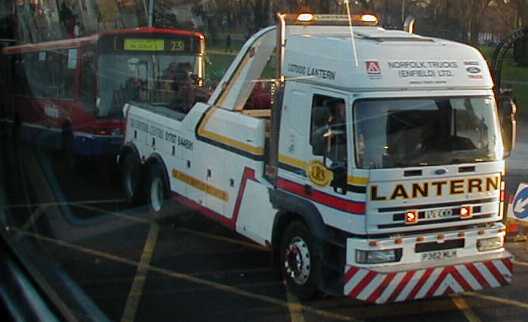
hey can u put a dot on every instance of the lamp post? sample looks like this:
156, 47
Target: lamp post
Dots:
403, 11
151, 13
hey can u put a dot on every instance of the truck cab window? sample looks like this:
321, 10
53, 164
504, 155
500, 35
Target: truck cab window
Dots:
261, 95
328, 128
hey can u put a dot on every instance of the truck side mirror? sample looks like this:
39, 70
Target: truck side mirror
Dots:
507, 111
340, 177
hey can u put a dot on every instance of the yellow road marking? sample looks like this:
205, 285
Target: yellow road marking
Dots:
50, 204
186, 277
498, 300
295, 308
464, 307
116, 214
225, 239
240, 271
136, 290
187, 230
195, 290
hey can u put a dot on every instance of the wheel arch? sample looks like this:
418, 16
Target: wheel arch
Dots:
292, 208
126, 149
157, 159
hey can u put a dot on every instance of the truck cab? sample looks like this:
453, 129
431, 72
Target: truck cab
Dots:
376, 171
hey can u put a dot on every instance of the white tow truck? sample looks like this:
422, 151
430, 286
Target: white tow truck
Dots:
375, 172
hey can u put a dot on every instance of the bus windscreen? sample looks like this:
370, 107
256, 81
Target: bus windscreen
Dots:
144, 69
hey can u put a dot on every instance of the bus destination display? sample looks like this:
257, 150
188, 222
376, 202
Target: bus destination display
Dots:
138, 44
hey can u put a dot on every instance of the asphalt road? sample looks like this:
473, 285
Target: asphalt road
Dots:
72, 217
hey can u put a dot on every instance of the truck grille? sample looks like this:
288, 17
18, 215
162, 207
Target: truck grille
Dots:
438, 205
435, 213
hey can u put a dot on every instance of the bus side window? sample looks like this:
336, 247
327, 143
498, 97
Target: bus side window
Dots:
42, 68
69, 66
88, 81
66, 66
20, 77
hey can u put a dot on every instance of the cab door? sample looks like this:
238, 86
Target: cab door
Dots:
314, 136
294, 142
316, 154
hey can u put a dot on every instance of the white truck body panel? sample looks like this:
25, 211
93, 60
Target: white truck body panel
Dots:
404, 61
211, 184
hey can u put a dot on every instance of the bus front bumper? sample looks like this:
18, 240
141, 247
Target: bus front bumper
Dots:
96, 145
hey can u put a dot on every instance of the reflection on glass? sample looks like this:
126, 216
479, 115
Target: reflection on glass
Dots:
158, 79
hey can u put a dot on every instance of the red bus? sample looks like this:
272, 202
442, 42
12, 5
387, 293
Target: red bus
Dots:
69, 94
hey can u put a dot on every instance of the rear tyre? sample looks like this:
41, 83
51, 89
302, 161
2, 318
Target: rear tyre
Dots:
131, 180
158, 191
299, 262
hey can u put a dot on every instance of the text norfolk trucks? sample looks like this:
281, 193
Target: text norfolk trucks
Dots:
375, 171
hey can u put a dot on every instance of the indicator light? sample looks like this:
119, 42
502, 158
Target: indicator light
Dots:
411, 217
373, 243
466, 212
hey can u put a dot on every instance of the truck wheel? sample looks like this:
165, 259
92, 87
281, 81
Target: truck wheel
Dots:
131, 178
298, 261
158, 191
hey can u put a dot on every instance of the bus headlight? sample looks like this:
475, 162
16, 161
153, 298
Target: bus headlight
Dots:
378, 256
487, 244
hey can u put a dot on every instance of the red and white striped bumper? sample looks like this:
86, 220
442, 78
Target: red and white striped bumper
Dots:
425, 282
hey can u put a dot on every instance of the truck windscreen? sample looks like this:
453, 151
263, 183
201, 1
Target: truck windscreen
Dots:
395, 133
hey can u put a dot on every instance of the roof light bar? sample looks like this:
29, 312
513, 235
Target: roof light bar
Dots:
369, 18
305, 18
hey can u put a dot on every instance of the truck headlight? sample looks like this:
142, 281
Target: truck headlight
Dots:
378, 256
487, 244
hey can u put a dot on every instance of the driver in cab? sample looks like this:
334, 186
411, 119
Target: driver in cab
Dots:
336, 134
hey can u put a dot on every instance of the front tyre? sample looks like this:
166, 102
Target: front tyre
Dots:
158, 191
299, 263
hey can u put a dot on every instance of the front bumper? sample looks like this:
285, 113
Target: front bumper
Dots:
406, 282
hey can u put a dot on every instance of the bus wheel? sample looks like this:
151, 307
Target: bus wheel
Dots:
158, 191
131, 178
297, 260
